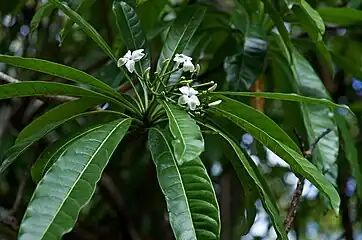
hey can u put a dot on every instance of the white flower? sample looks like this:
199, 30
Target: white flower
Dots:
189, 97
130, 58
185, 61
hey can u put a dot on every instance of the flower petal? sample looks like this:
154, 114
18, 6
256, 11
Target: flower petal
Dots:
192, 105
188, 66
128, 55
183, 99
137, 55
195, 100
178, 58
193, 92
122, 61
185, 90
130, 65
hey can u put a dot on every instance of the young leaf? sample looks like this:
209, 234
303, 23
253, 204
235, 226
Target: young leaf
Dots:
59, 70
247, 165
256, 124
44, 10
83, 6
190, 197
188, 142
130, 28
180, 33
86, 27
70, 183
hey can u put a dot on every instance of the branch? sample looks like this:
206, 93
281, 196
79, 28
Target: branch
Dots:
289, 219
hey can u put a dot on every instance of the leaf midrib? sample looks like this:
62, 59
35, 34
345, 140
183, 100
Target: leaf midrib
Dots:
81, 174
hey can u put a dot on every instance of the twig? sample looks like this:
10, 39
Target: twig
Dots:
10, 79
289, 219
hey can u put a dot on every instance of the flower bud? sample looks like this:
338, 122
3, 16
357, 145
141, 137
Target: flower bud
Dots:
146, 73
215, 103
212, 88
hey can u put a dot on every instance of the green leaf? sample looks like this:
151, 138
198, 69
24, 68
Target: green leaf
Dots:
39, 88
190, 197
51, 119
188, 142
245, 164
131, 31
180, 33
51, 153
263, 129
86, 27
83, 6
317, 118
21, 145
278, 21
59, 70
341, 16
243, 68
287, 97
43, 11
70, 183
254, 118
351, 151
313, 24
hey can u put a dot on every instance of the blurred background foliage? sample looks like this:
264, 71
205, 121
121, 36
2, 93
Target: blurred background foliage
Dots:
128, 203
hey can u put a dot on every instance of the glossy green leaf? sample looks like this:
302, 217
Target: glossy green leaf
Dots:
254, 118
70, 183
317, 118
86, 27
256, 125
82, 7
131, 31
188, 142
50, 119
341, 16
39, 88
191, 201
245, 164
180, 33
51, 153
21, 145
43, 11
351, 152
59, 70
287, 97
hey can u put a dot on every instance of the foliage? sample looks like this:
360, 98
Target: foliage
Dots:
159, 92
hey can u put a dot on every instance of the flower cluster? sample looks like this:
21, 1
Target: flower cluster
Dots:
189, 96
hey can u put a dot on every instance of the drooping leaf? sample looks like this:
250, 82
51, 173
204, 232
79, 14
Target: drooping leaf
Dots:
243, 68
287, 97
341, 16
190, 198
131, 31
351, 152
180, 33
86, 27
245, 164
188, 142
256, 126
70, 183
43, 11
59, 70
82, 7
